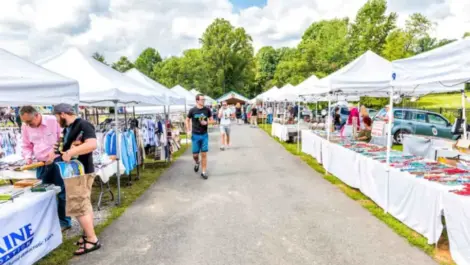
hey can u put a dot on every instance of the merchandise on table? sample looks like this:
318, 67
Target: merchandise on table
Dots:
27, 183
10, 192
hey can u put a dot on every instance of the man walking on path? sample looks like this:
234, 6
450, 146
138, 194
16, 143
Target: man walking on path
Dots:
199, 117
225, 114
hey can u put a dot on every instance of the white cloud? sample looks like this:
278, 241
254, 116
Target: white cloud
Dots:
39, 28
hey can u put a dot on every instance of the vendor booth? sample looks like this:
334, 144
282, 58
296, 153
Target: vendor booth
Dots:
28, 213
232, 98
102, 86
448, 69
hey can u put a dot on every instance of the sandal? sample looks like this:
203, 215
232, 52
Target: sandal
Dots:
81, 240
96, 246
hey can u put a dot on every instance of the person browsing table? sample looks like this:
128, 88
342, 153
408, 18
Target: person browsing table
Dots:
40, 133
79, 141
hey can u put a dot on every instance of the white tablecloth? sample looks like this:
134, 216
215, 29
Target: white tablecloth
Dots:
415, 202
311, 144
32, 220
281, 131
109, 171
457, 214
424, 146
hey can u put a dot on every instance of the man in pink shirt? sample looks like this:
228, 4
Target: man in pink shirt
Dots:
40, 134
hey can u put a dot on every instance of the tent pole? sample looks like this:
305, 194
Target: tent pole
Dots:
118, 151
464, 116
185, 114
135, 130
389, 147
328, 121
298, 128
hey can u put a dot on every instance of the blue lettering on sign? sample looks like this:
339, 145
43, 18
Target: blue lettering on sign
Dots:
15, 242
394, 76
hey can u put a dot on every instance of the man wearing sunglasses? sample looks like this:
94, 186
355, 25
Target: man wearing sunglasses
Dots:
225, 114
199, 117
40, 134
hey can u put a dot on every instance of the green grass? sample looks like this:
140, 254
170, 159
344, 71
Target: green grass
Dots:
129, 194
448, 100
401, 229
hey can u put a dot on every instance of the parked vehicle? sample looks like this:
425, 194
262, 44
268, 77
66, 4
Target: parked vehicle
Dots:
421, 122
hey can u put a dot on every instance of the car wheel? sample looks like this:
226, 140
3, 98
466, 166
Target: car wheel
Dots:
398, 137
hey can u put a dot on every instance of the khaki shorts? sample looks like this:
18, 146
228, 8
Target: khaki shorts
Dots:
78, 195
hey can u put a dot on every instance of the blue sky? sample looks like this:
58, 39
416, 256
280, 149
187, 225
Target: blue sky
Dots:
241, 4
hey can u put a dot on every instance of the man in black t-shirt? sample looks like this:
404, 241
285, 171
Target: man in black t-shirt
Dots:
200, 117
79, 141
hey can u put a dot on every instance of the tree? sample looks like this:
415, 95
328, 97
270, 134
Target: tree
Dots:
193, 71
266, 61
418, 28
99, 57
321, 51
123, 64
147, 61
168, 72
371, 28
395, 46
228, 54
466, 34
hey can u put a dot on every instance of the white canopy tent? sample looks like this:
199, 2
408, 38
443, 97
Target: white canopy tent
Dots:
25, 83
444, 69
157, 88
100, 85
286, 93
369, 74
266, 94
181, 91
308, 83
209, 100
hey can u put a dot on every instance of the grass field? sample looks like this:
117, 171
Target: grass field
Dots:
441, 254
442, 101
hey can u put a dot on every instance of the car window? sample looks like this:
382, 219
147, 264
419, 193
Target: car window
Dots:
418, 116
399, 114
381, 113
436, 120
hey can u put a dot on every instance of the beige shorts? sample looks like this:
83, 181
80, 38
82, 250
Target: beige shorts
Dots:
78, 195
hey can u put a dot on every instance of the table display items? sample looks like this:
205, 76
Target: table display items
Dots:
456, 175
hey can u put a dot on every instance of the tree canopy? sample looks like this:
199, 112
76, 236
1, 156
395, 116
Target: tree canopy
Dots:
226, 60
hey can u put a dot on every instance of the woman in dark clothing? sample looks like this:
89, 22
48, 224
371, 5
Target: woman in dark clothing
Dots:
337, 119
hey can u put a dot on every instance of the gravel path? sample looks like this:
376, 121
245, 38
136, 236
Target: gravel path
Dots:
260, 205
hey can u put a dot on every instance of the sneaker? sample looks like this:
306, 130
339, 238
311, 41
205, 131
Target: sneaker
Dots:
204, 175
196, 167
222, 148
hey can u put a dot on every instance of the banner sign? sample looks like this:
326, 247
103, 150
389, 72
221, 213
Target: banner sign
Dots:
378, 128
30, 228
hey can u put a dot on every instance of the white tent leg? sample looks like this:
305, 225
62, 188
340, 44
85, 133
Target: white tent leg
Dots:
328, 120
464, 116
185, 113
298, 128
389, 147
118, 154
